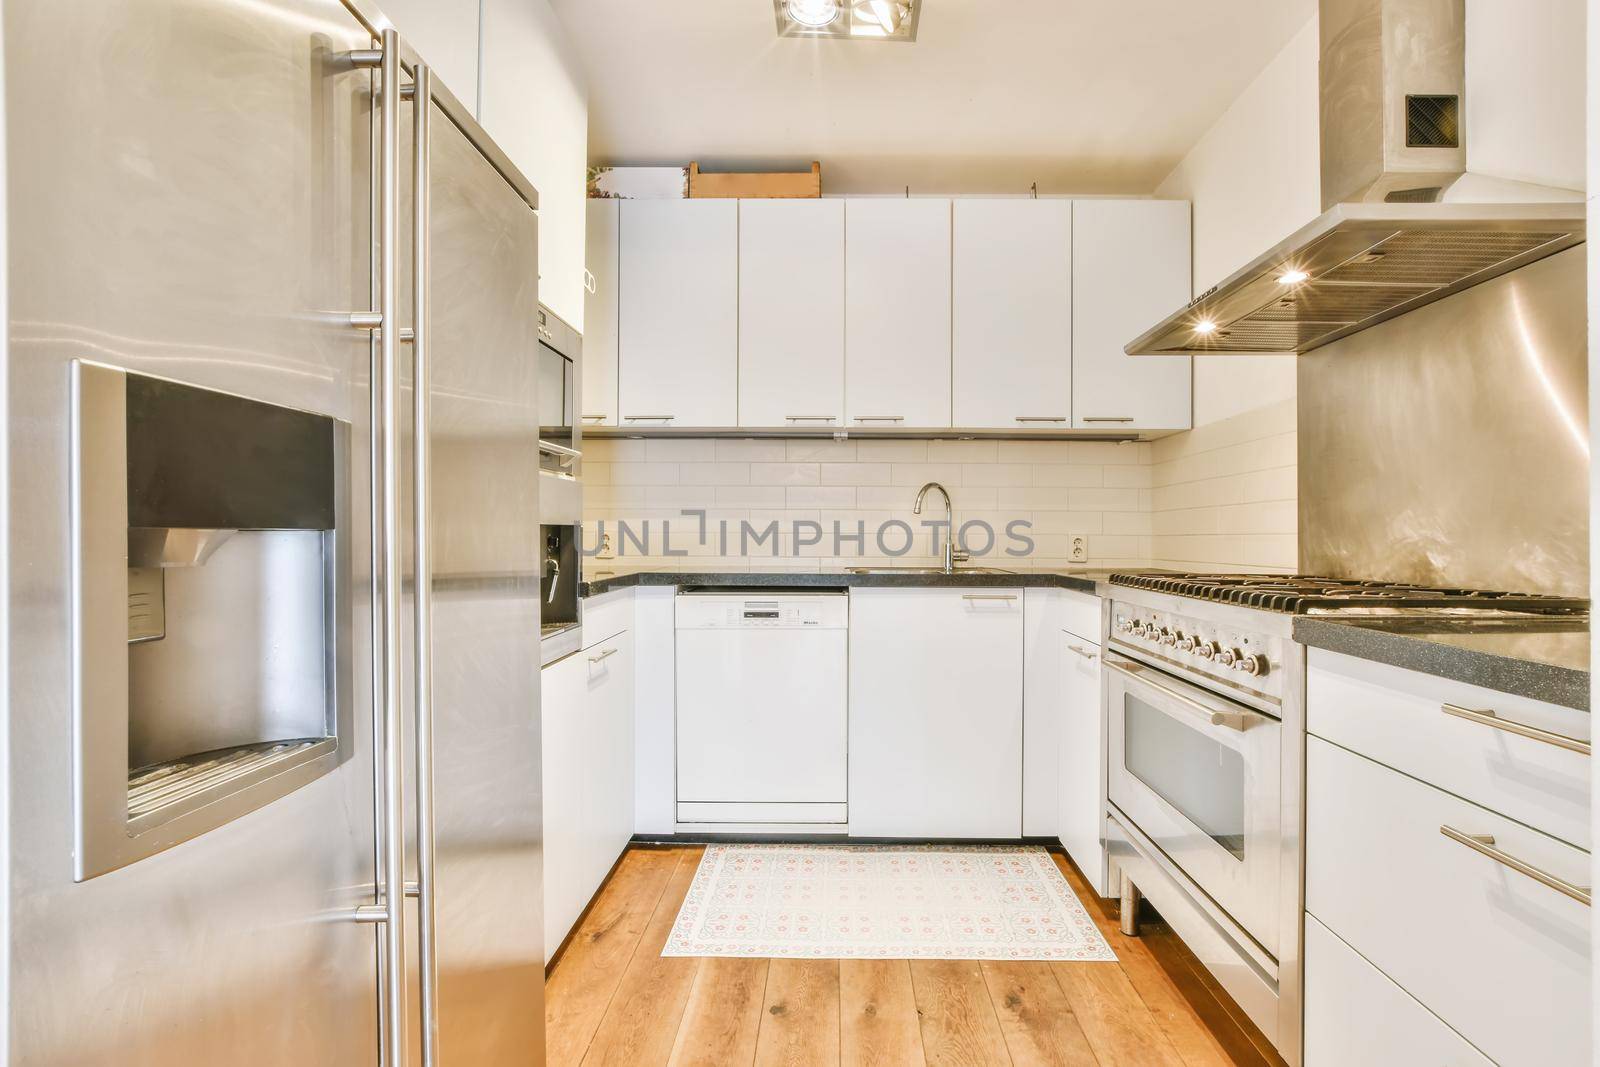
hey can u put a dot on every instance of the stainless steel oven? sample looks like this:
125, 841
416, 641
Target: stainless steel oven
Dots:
560, 436
1200, 776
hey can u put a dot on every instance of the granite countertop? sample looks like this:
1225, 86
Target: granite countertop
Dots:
1542, 658
1084, 580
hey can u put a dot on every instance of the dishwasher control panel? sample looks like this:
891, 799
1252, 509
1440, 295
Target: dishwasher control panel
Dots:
760, 611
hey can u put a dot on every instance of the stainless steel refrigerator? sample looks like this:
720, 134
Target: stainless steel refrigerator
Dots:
272, 296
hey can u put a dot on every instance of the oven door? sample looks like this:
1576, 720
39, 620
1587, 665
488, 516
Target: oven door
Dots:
1198, 774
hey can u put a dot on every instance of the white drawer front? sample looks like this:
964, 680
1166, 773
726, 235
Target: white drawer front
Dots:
1356, 1015
607, 615
1501, 958
1080, 615
1396, 717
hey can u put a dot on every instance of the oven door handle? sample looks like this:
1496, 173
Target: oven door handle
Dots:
1232, 720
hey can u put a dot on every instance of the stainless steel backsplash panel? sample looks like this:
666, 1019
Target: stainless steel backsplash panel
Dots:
1450, 446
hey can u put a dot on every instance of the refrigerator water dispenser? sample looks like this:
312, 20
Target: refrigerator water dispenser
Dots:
212, 624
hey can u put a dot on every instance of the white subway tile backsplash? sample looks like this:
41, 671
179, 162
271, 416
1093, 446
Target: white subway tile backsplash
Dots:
1220, 497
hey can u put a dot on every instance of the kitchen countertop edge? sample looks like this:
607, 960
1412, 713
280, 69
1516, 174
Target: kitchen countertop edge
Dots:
1565, 686
1086, 582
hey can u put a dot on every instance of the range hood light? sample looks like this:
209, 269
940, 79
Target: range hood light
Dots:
1205, 326
813, 14
1293, 277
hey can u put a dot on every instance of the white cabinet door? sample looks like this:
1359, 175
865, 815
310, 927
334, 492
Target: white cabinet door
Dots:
599, 362
1042, 614
562, 713
1394, 1030
1130, 269
1501, 957
607, 757
1012, 314
445, 35
791, 313
678, 317
936, 713
1081, 822
897, 313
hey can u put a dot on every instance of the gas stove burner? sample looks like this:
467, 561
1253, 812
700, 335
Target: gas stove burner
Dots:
1302, 594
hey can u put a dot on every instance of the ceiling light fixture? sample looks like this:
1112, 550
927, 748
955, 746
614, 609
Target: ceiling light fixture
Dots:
1293, 277
879, 20
812, 14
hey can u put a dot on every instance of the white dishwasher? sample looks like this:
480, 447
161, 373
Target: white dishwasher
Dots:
762, 708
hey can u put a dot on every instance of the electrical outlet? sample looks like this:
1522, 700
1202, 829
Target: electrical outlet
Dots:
1079, 553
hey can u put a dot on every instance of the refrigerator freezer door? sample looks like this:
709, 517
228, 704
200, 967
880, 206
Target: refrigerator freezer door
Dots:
189, 198
482, 349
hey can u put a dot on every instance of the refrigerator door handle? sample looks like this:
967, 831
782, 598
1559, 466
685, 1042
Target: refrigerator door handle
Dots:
422, 554
391, 832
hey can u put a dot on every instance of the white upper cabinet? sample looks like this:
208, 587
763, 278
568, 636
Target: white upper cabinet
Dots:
678, 313
791, 313
599, 406
897, 313
532, 100
1012, 314
1130, 269
445, 34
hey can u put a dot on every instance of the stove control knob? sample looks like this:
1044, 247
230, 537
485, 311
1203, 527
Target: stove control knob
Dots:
1136, 629
1229, 656
1169, 637
1255, 666
1186, 643
1125, 625
1208, 649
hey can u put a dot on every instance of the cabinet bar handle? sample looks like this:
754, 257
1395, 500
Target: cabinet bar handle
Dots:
880, 418
811, 418
602, 657
650, 418
594, 418
1042, 418
987, 596
1489, 718
1108, 418
1484, 844
550, 448
1084, 652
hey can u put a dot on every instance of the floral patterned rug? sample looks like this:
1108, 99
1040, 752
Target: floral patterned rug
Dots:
935, 902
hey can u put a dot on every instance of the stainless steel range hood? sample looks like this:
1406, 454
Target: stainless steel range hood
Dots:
1403, 222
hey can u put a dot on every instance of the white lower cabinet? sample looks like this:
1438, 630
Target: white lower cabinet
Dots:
1499, 956
1080, 824
936, 713
587, 707
1356, 1015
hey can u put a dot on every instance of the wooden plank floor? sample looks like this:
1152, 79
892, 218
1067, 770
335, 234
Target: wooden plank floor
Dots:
612, 999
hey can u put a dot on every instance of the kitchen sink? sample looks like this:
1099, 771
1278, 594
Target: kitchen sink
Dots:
927, 570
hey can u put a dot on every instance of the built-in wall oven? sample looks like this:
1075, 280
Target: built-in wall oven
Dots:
560, 490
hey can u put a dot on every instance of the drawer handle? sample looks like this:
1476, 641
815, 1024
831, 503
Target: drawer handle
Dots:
594, 418
1108, 418
880, 418
811, 418
1489, 718
1084, 652
650, 418
602, 657
988, 596
1041, 418
1484, 843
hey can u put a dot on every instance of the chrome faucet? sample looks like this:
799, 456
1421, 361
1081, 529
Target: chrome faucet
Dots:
951, 555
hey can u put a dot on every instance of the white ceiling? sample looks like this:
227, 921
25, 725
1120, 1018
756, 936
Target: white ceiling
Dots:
1081, 96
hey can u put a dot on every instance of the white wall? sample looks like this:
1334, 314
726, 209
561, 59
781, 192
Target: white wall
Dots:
534, 102
1254, 177
1525, 75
